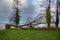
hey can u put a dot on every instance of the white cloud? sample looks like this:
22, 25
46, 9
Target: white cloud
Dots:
24, 2
8, 2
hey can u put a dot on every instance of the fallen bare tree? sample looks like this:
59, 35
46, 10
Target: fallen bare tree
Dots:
29, 22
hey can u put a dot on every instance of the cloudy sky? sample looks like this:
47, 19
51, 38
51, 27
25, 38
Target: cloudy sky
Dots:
29, 8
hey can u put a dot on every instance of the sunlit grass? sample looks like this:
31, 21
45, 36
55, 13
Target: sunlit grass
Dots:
20, 34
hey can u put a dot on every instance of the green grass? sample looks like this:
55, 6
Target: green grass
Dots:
20, 34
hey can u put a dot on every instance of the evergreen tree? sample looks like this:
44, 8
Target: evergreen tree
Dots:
57, 17
15, 18
48, 15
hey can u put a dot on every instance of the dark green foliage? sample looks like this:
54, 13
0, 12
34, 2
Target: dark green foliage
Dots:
57, 21
57, 18
17, 18
48, 16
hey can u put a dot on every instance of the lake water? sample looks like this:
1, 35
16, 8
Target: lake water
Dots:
2, 25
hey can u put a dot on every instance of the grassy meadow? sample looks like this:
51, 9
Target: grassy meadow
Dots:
20, 34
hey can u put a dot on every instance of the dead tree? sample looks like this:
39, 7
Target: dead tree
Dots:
34, 22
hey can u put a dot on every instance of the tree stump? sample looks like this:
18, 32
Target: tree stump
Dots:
7, 26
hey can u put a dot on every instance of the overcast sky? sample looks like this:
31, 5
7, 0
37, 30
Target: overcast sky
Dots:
30, 8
